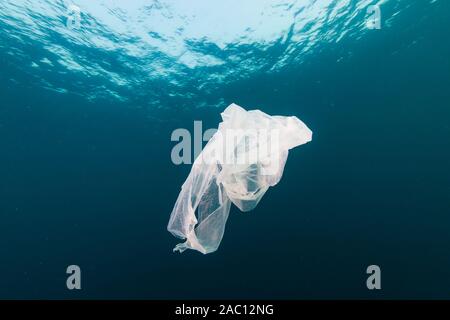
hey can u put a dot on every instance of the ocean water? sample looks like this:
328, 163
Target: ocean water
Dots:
92, 90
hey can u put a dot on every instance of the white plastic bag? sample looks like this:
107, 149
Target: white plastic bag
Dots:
239, 163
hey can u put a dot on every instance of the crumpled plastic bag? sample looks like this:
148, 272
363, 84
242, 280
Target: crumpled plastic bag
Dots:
239, 163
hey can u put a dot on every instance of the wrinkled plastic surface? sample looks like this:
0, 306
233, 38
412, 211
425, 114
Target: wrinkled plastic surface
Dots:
237, 168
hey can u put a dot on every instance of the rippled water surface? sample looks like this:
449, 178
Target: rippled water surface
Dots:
165, 52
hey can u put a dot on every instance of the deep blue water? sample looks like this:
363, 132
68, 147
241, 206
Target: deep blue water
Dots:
86, 177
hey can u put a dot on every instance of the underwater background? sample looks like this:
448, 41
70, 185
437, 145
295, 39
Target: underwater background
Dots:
92, 90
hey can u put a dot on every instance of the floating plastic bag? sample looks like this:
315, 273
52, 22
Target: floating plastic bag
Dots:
239, 163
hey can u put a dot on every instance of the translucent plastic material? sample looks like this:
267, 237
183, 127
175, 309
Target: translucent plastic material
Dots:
240, 162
